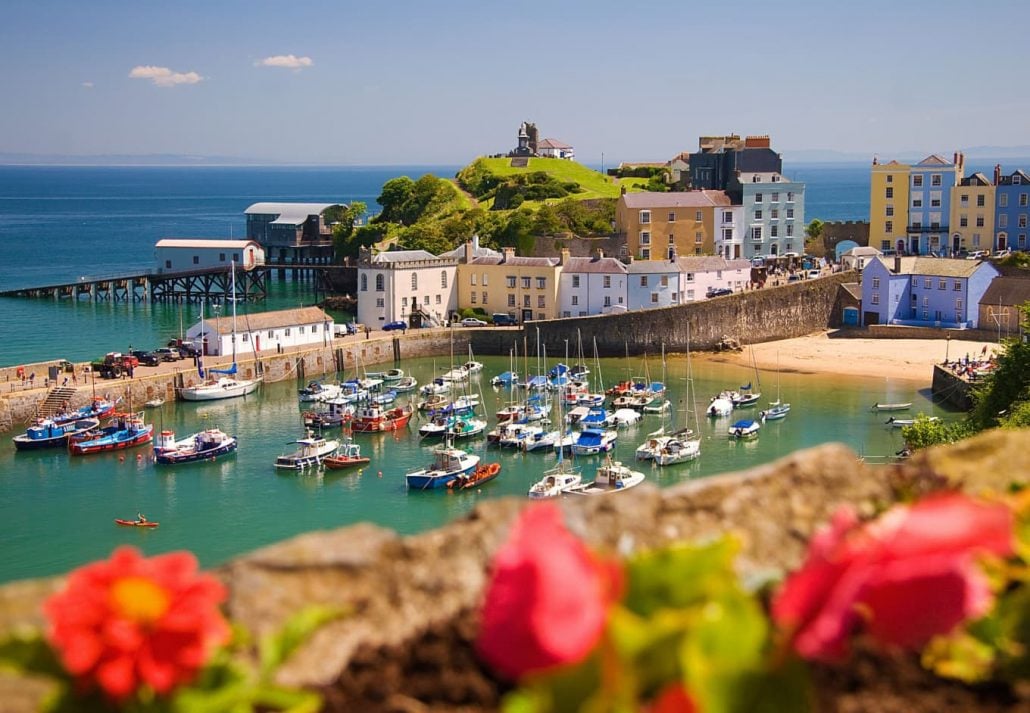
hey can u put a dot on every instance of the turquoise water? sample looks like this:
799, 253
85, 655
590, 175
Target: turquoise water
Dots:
57, 511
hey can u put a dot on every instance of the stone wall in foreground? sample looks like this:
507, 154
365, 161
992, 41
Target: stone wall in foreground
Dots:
408, 645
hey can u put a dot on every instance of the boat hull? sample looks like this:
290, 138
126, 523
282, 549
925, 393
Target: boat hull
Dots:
134, 523
222, 390
178, 457
107, 443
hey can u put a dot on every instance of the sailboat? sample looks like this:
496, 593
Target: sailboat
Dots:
683, 445
562, 476
750, 392
777, 409
225, 386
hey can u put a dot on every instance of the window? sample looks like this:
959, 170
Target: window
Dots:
926, 301
439, 302
484, 298
541, 283
607, 300
889, 193
511, 300
221, 257
758, 214
876, 283
756, 233
690, 294
727, 233
566, 313
414, 280
775, 197
758, 198
875, 298
1003, 221
935, 202
888, 227
575, 300
1016, 180
380, 302
645, 216
526, 282
976, 240
645, 237
286, 332
672, 216
942, 284
645, 254
698, 216
364, 282
168, 264
271, 334
541, 301
890, 178
917, 181
525, 300
1003, 200
698, 250
935, 179
690, 277
196, 259
1022, 220
473, 279
774, 231
443, 279
699, 237
643, 280
979, 221
958, 286
963, 221
963, 200
425, 300
575, 280
790, 229
790, 196
927, 283
1022, 199
790, 212
958, 303
727, 216
672, 240
774, 214
665, 281
485, 281
380, 283
607, 281
510, 279
654, 298
917, 200
404, 301
926, 314
246, 337
980, 201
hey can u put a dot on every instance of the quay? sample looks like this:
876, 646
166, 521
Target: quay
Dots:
195, 285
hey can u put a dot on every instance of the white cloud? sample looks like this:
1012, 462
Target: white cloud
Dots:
287, 61
164, 77
88, 85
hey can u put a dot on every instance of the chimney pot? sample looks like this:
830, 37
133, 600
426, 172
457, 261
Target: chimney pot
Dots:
897, 264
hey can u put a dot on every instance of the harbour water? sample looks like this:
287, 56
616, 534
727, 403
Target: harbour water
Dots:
59, 223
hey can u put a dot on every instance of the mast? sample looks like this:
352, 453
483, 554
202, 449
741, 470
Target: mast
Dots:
232, 273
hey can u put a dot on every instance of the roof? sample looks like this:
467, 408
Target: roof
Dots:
478, 250
862, 251
977, 179
269, 320
676, 199
933, 266
933, 160
853, 288
1007, 292
551, 144
403, 256
707, 263
594, 264
289, 213
204, 243
516, 260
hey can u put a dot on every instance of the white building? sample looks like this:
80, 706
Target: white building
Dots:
552, 148
856, 258
701, 275
392, 285
186, 254
592, 285
729, 232
652, 283
264, 331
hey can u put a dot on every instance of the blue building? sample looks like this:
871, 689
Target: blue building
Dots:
1011, 210
929, 203
774, 215
924, 291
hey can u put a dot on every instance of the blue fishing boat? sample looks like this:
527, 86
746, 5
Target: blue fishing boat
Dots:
448, 464
97, 408
125, 432
47, 433
205, 445
592, 441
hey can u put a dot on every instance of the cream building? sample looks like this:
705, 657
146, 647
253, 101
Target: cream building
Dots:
523, 287
393, 285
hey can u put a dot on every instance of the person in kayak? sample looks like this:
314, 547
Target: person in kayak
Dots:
141, 518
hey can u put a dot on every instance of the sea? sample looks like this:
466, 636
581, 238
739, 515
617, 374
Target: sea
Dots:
62, 223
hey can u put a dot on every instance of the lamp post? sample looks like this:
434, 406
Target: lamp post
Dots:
947, 348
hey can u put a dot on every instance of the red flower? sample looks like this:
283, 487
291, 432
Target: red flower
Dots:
548, 597
129, 621
908, 576
674, 698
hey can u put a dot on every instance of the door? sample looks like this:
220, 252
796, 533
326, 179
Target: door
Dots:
956, 244
527, 315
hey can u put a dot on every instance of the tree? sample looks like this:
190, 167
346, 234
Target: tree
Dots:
924, 432
814, 229
393, 198
1002, 397
343, 229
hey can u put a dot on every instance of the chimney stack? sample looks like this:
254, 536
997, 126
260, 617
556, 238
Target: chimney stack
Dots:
509, 253
997, 174
897, 264
565, 254
600, 253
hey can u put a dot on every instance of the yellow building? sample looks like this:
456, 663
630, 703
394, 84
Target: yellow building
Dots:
658, 226
888, 206
972, 214
523, 287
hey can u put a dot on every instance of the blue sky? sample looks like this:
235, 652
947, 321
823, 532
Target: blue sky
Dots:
441, 82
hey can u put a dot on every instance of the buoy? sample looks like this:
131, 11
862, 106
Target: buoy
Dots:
380, 474
139, 456
121, 459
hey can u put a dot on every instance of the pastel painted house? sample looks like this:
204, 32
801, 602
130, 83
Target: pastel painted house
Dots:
189, 254
592, 285
925, 291
664, 283
264, 331
394, 285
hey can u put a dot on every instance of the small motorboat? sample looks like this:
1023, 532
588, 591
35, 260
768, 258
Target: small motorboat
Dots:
313, 450
623, 417
338, 414
900, 406
97, 408
448, 463
348, 456
775, 412
155, 403
47, 433
743, 429
902, 422
318, 391
591, 441
612, 477
125, 431
205, 445
484, 473
720, 406
404, 384
508, 378
559, 479
135, 523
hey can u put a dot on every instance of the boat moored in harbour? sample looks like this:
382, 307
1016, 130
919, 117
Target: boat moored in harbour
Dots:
47, 433
208, 444
125, 431
313, 450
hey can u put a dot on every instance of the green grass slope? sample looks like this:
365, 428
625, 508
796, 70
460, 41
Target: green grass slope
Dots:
592, 184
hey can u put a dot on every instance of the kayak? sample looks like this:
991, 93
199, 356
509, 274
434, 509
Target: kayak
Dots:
134, 523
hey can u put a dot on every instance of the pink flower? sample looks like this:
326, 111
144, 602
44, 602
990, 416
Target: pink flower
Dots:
907, 576
548, 597
130, 621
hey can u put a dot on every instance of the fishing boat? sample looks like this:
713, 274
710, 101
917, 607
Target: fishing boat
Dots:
347, 456
226, 386
900, 406
902, 422
313, 450
318, 391
612, 477
338, 413
404, 385
591, 441
125, 431
744, 429
466, 426
97, 408
484, 473
204, 445
515, 434
352, 391
135, 523
448, 463
47, 433
374, 419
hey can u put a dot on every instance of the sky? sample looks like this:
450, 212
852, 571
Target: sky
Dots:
402, 82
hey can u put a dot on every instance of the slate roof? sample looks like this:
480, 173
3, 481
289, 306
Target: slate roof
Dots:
594, 264
269, 320
933, 266
551, 144
676, 199
516, 260
289, 213
1007, 292
403, 256
933, 160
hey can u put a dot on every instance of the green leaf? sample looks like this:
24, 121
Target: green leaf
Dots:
785, 689
30, 654
680, 576
960, 656
276, 648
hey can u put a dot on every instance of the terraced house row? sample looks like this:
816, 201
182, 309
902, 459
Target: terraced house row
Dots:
933, 208
421, 288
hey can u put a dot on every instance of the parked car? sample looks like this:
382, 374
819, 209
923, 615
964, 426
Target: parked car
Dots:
719, 291
813, 273
504, 320
472, 322
188, 350
399, 324
146, 358
168, 354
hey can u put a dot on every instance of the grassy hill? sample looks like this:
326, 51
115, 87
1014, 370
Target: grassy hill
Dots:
486, 178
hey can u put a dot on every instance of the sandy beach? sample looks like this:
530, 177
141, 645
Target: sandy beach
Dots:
823, 353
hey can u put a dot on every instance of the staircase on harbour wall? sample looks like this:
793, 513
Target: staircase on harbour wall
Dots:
56, 401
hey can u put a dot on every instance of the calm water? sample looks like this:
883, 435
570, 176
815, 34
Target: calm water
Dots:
56, 512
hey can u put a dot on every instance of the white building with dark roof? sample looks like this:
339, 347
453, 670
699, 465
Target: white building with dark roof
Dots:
592, 285
264, 331
664, 283
552, 148
292, 231
188, 254
394, 285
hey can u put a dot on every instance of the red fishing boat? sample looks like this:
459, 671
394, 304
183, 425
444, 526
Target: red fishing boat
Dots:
484, 473
348, 456
373, 419
125, 431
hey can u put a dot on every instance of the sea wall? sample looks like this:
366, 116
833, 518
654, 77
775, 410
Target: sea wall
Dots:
952, 389
409, 644
900, 331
